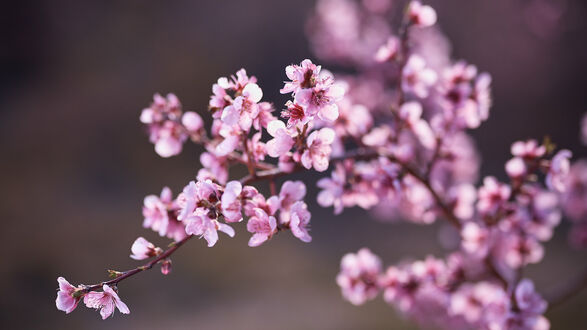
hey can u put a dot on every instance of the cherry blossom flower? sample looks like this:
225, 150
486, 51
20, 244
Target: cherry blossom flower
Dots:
299, 221
262, 226
200, 224
333, 189
157, 212
244, 108
194, 193
321, 100
282, 140
302, 76
231, 204
163, 121
492, 196
574, 197
295, 114
231, 140
417, 78
528, 150
358, 276
318, 152
67, 297
388, 51
192, 121
411, 113
257, 148
214, 168
166, 267
559, 170
481, 304
528, 299
142, 249
531, 307
515, 168
464, 197
517, 251
105, 301
476, 239
421, 15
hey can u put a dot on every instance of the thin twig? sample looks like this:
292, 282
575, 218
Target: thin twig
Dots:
139, 269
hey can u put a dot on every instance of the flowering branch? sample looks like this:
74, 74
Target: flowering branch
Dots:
120, 276
415, 162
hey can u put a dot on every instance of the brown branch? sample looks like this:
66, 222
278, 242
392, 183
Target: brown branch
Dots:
139, 269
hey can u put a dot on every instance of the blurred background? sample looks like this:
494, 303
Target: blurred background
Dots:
76, 163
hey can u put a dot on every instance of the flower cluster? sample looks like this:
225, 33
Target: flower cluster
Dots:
168, 126
443, 293
69, 296
395, 135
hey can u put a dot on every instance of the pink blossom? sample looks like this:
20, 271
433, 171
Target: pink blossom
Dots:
544, 214
421, 15
354, 120
265, 116
584, 129
302, 76
291, 192
269, 206
517, 251
220, 99
282, 140
388, 51
167, 144
142, 249
67, 298
368, 181
359, 275
155, 211
161, 109
231, 141
417, 78
530, 308
483, 304
194, 193
476, 239
299, 221
165, 130
318, 149
192, 121
257, 148
528, 149
574, 198
295, 114
528, 300
200, 224
105, 301
244, 109
411, 113
492, 196
262, 226
559, 170
515, 168
333, 189
321, 99
214, 168
166, 267
464, 197
231, 204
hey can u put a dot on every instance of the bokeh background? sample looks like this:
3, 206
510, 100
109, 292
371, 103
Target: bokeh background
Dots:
75, 162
